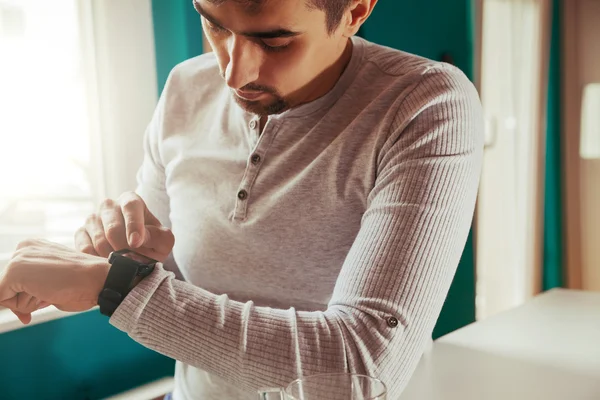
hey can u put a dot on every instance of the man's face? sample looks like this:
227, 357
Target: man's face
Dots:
275, 56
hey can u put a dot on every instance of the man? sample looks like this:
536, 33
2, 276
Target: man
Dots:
320, 189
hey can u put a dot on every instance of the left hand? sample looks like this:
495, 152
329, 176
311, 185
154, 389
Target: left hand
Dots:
41, 273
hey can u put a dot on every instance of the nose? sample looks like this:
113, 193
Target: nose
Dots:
243, 66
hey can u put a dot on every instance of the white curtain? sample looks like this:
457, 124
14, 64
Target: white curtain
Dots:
125, 86
512, 87
77, 90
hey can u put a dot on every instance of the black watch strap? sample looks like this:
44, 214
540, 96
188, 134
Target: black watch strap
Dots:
118, 283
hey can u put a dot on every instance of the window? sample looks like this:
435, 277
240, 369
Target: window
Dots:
77, 90
45, 129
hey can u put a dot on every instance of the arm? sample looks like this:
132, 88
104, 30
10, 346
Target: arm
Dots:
401, 265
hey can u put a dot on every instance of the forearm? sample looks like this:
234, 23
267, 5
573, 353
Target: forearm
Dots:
247, 345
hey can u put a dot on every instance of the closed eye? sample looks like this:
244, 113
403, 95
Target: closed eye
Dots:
213, 27
274, 45
268, 44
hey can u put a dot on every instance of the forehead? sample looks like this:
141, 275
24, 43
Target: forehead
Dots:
252, 6
249, 6
269, 13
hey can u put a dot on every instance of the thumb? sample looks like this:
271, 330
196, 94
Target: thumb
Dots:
8, 297
159, 238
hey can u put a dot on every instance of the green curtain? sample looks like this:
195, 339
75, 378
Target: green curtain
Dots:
177, 34
553, 252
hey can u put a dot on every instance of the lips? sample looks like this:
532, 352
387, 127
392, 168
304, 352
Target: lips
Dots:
249, 95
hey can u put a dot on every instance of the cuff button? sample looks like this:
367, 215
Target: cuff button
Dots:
392, 322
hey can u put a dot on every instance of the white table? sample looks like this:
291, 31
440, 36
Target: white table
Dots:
548, 349
9, 322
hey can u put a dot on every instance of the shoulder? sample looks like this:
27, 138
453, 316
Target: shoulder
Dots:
401, 84
409, 91
196, 79
426, 101
193, 92
404, 71
439, 86
440, 113
389, 61
197, 70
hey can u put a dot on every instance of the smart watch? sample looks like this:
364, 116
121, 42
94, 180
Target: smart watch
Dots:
126, 267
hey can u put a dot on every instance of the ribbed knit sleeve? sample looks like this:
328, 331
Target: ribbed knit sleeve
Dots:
392, 284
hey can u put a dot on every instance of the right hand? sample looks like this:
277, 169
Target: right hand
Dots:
125, 223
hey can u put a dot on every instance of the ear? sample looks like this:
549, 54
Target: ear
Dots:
356, 15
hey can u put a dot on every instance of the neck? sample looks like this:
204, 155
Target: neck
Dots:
326, 80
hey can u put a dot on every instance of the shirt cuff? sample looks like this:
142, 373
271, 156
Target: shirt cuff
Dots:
131, 308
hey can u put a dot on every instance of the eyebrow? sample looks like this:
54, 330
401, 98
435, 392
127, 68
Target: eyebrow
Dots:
272, 34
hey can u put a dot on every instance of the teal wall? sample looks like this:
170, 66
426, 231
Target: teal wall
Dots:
553, 243
429, 29
178, 35
432, 29
81, 357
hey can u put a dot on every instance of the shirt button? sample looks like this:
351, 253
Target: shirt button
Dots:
255, 159
242, 195
392, 322
253, 124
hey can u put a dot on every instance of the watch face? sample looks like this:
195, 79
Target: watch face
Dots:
138, 257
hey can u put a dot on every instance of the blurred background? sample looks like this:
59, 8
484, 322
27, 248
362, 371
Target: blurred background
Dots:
79, 80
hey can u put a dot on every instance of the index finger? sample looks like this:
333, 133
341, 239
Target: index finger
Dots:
132, 208
136, 216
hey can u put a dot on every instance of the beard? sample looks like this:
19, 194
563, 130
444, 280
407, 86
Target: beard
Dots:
276, 106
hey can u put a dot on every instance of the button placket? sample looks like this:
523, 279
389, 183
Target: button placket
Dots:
253, 167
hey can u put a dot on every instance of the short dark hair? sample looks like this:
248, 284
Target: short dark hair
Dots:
334, 9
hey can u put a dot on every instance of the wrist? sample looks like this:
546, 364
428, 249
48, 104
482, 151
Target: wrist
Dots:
97, 275
125, 270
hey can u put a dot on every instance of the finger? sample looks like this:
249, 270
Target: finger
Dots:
95, 230
23, 300
10, 302
83, 242
32, 305
20, 307
43, 304
159, 239
25, 318
27, 243
113, 225
26, 303
37, 304
136, 216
